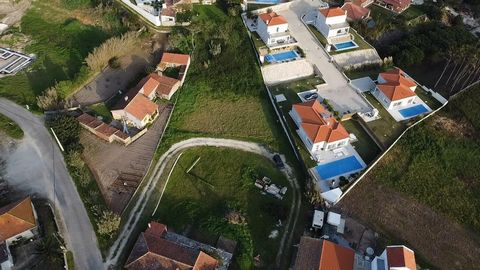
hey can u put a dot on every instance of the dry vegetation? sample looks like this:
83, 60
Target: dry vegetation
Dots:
115, 47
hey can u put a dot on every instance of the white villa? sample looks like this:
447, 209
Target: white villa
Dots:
395, 257
332, 23
273, 30
317, 128
395, 89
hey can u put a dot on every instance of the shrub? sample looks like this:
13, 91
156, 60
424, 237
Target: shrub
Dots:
109, 223
50, 100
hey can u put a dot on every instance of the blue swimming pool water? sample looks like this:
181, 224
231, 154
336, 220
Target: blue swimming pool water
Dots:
339, 167
413, 111
283, 56
345, 45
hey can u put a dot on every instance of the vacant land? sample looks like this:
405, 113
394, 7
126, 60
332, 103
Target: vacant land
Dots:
10, 128
60, 39
199, 202
425, 191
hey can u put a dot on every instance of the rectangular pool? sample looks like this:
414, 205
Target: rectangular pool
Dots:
413, 111
281, 57
345, 46
339, 167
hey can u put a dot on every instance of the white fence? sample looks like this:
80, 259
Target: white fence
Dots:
149, 17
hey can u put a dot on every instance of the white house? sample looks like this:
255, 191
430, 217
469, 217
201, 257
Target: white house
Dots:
317, 128
18, 220
395, 258
136, 110
273, 30
395, 89
332, 23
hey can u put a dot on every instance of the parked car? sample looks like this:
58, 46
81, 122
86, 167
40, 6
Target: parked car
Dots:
278, 161
311, 96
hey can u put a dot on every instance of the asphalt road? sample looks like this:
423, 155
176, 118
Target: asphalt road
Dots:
33, 167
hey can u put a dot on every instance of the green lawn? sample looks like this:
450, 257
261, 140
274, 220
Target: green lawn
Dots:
257, 6
412, 12
427, 98
60, 44
259, 44
318, 35
10, 128
365, 146
362, 44
386, 128
371, 72
222, 182
103, 111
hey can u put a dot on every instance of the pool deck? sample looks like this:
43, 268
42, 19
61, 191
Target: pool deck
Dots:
395, 113
325, 157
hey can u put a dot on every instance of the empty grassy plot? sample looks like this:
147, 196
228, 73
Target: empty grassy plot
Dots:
218, 197
365, 146
10, 128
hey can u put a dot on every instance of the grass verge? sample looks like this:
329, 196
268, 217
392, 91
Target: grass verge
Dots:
10, 128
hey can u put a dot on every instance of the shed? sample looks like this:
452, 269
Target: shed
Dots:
318, 217
333, 219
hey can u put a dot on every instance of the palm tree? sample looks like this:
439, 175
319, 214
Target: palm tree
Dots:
47, 250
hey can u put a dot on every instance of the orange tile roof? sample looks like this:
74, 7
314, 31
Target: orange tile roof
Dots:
400, 256
332, 12
205, 262
166, 84
318, 123
175, 58
150, 85
397, 85
16, 218
336, 257
272, 18
106, 129
140, 106
355, 12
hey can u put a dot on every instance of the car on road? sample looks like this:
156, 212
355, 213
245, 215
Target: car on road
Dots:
278, 161
311, 96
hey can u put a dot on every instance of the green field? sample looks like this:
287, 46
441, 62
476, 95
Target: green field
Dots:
365, 146
197, 202
10, 128
60, 40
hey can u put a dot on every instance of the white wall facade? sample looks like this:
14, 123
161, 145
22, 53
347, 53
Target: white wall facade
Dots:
265, 32
323, 24
130, 119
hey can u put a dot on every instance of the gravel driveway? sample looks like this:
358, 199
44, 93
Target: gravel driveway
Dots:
33, 166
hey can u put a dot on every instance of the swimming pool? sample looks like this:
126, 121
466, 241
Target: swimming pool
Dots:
280, 57
413, 111
339, 167
345, 46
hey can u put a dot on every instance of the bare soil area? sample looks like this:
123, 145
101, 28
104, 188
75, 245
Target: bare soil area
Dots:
12, 11
436, 239
119, 169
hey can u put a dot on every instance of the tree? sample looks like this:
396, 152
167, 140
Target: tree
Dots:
214, 47
47, 250
109, 223
67, 130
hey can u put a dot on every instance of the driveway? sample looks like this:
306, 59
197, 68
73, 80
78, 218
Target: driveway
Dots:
341, 95
37, 166
138, 210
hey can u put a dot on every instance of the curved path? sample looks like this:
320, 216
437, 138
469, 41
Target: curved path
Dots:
159, 169
36, 166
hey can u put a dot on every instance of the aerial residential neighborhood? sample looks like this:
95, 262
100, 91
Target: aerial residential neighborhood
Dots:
249, 134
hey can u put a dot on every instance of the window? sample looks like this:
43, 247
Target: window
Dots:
278, 29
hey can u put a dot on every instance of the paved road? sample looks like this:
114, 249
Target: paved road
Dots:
342, 96
29, 168
138, 209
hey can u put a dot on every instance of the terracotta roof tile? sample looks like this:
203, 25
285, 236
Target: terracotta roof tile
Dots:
355, 12
332, 12
106, 129
318, 123
336, 257
308, 256
205, 262
89, 120
16, 218
175, 58
140, 106
397, 85
150, 85
272, 18
398, 5
166, 84
400, 256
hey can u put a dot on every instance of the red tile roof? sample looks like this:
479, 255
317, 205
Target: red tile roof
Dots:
332, 12
150, 84
140, 106
318, 123
153, 251
321, 254
359, 2
175, 58
106, 130
397, 85
16, 218
272, 18
400, 256
398, 5
89, 120
355, 12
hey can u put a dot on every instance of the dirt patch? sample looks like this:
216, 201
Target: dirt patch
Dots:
12, 11
119, 169
435, 239
453, 126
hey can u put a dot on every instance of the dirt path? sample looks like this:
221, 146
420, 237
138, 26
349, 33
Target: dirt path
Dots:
139, 208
